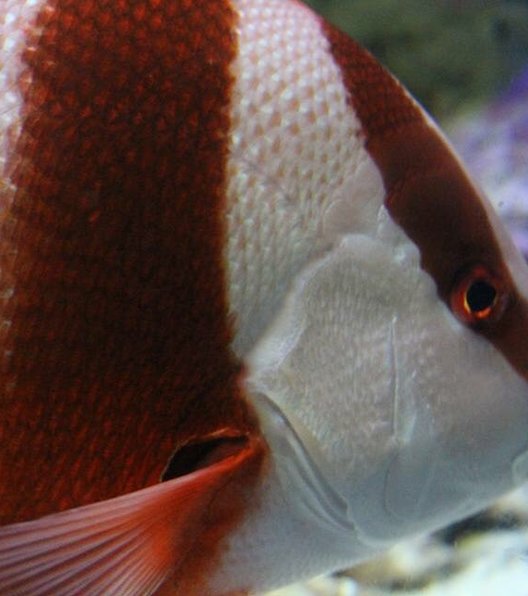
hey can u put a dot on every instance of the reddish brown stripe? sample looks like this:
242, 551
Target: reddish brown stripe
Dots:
119, 332
427, 193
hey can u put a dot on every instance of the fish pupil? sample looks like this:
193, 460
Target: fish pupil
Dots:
480, 296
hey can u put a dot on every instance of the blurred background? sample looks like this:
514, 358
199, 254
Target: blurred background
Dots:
451, 54
466, 61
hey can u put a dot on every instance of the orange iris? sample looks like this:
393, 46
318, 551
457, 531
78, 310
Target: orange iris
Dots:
478, 296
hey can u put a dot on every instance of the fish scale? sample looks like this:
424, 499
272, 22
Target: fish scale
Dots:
100, 262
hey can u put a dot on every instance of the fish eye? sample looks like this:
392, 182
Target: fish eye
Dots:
478, 296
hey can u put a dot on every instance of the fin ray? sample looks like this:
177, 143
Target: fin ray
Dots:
126, 545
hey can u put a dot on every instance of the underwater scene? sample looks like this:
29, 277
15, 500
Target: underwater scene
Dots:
259, 328
466, 61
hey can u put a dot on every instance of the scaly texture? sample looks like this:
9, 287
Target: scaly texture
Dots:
292, 148
115, 334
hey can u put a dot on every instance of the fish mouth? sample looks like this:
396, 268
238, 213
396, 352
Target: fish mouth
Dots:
203, 452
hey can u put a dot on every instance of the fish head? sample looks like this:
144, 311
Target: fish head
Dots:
397, 354
417, 418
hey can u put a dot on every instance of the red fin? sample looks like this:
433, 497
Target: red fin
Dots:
127, 545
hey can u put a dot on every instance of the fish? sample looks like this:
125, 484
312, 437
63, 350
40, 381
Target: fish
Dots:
257, 321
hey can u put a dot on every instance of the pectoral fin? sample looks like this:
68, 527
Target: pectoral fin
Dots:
127, 545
